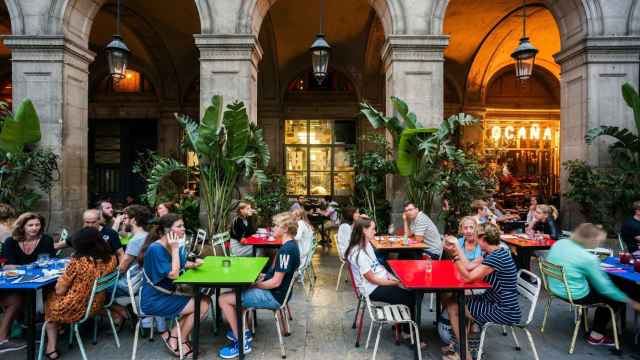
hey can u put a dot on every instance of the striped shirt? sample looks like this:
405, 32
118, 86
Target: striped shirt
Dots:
423, 226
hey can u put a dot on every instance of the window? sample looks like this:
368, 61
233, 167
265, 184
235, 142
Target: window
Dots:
316, 157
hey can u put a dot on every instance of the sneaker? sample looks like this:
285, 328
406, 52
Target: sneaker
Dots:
12, 345
247, 336
232, 350
603, 341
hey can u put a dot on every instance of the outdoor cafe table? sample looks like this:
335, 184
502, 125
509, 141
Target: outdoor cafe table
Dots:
624, 276
394, 244
30, 289
444, 277
240, 274
524, 247
261, 241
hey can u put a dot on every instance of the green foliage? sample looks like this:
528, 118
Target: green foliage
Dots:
270, 198
165, 177
371, 167
189, 208
20, 128
229, 149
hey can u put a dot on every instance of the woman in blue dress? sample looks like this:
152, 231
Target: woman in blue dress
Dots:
162, 262
499, 304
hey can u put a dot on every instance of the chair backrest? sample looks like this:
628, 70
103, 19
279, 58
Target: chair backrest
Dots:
64, 235
201, 238
355, 288
104, 283
288, 295
134, 283
549, 270
220, 240
529, 285
621, 243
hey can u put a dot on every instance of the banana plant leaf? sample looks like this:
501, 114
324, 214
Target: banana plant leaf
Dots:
629, 140
402, 109
408, 154
21, 129
632, 99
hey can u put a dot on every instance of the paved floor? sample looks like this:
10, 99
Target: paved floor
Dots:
321, 330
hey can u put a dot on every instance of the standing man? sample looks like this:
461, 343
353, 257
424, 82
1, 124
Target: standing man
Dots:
630, 230
418, 225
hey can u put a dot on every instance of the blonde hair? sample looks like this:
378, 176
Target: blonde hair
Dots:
550, 210
287, 222
300, 214
465, 219
587, 235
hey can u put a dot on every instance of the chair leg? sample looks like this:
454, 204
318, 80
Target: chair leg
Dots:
289, 312
285, 322
180, 349
366, 345
71, 336
575, 330
375, 347
282, 350
483, 334
355, 319
79, 339
533, 345
113, 328
515, 338
136, 333
414, 325
547, 306
431, 302
360, 325
42, 334
504, 330
339, 276
94, 338
614, 325
585, 318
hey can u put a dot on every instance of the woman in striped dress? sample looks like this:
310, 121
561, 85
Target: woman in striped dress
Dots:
499, 304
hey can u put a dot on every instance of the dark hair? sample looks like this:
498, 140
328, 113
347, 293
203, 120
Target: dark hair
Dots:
347, 214
636, 205
7, 212
357, 235
489, 232
169, 205
139, 213
159, 229
410, 203
18, 227
87, 242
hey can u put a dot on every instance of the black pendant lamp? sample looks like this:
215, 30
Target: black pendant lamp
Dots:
525, 53
320, 51
117, 51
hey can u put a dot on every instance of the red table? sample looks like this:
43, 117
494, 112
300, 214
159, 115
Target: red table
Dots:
444, 276
261, 241
524, 247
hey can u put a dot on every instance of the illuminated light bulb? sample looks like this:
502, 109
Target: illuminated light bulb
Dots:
495, 133
547, 134
509, 132
534, 133
302, 136
522, 133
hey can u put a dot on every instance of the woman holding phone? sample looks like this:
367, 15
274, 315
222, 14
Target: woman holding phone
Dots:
162, 263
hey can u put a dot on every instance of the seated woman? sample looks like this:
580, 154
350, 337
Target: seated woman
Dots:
499, 304
162, 262
26, 242
349, 215
304, 236
588, 284
468, 244
67, 304
371, 277
242, 227
544, 221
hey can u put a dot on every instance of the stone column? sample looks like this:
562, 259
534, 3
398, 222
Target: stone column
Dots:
229, 67
53, 73
414, 68
592, 74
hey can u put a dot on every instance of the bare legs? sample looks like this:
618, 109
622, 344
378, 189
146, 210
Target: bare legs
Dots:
227, 302
449, 302
186, 321
11, 305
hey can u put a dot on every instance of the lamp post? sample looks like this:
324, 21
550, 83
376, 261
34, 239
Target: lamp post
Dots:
320, 51
525, 53
117, 51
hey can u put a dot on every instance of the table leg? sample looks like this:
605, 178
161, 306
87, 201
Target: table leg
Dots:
196, 323
218, 318
238, 291
437, 309
31, 324
462, 317
418, 314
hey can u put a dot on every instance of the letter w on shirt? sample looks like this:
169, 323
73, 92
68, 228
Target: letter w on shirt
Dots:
284, 261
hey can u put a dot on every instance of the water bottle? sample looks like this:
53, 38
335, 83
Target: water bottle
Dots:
392, 229
428, 265
405, 239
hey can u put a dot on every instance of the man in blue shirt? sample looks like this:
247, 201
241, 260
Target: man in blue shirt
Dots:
270, 290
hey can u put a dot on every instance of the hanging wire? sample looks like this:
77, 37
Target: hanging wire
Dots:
321, 16
524, 18
117, 17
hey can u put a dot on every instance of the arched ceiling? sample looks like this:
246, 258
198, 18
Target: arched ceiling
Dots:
484, 33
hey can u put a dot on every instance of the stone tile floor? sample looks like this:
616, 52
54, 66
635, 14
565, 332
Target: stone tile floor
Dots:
321, 330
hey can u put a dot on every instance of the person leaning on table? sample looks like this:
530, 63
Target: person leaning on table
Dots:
418, 225
162, 261
243, 226
588, 284
91, 259
27, 241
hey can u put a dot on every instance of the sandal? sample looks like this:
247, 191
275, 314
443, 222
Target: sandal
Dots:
406, 338
449, 349
119, 326
167, 340
54, 355
187, 354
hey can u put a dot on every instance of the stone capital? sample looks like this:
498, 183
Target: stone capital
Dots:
600, 50
414, 48
229, 47
50, 49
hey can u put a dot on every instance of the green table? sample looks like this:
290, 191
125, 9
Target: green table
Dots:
242, 273
124, 239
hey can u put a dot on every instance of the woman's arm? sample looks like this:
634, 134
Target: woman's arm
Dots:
475, 263
378, 280
480, 272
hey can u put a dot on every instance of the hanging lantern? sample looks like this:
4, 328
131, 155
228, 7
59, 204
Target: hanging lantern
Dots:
117, 51
320, 51
525, 53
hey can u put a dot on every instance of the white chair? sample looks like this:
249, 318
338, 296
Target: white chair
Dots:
530, 290
220, 240
283, 315
101, 284
307, 271
390, 315
342, 263
199, 241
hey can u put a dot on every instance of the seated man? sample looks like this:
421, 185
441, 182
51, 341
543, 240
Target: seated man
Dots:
418, 225
270, 290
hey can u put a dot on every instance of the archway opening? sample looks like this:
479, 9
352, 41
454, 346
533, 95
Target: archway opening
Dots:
6, 88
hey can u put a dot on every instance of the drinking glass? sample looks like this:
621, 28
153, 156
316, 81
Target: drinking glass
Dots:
43, 260
29, 268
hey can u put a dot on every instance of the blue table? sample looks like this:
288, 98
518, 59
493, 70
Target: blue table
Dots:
30, 290
623, 271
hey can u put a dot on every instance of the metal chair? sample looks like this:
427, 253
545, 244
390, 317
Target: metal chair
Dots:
199, 241
101, 284
549, 270
390, 315
357, 321
220, 240
342, 263
306, 270
530, 290
283, 314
